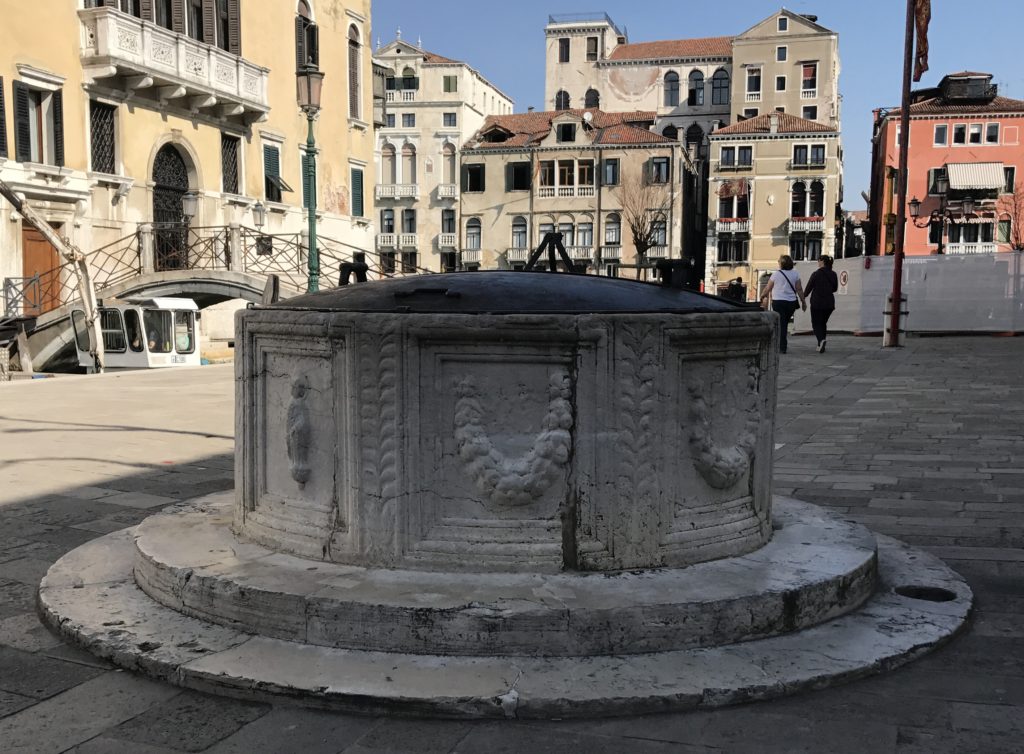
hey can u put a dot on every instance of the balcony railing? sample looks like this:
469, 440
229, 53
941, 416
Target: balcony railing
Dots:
806, 224
545, 192
753, 96
518, 254
565, 191
386, 240
580, 252
727, 166
448, 190
398, 191
970, 248
808, 93
471, 256
657, 252
817, 165
401, 95
408, 240
733, 225
447, 240
149, 61
609, 253
585, 191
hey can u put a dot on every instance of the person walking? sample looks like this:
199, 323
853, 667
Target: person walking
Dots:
786, 296
821, 288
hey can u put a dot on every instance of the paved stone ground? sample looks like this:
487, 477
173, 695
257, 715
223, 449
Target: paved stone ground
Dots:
925, 443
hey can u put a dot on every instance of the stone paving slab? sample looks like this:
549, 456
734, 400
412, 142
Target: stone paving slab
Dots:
82, 438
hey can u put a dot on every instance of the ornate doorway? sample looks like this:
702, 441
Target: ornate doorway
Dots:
170, 227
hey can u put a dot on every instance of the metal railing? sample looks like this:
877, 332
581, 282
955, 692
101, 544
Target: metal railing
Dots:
21, 296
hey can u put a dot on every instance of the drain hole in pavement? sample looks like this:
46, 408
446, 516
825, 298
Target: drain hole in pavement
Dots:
927, 593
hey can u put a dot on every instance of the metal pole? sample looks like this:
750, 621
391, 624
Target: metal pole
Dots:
893, 338
313, 259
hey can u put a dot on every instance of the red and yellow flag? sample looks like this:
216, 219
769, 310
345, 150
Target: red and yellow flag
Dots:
923, 16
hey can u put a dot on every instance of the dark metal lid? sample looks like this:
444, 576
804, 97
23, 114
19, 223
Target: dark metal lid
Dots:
508, 292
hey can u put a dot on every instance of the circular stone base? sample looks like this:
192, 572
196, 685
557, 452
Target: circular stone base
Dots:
91, 598
816, 567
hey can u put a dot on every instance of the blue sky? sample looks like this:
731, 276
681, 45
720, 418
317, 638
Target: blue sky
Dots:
505, 42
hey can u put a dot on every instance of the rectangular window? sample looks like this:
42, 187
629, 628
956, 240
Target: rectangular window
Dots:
585, 172
194, 9
728, 156
389, 120
448, 120
780, 83
659, 232
273, 184
1009, 179
585, 234
387, 221
547, 173
941, 135
611, 172
960, 134
38, 125
817, 154
451, 83
733, 251
975, 133
753, 81
935, 232
358, 205
810, 112
519, 234
810, 77
1003, 231
408, 261
408, 221
518, 174
447, 221
992, 133
750, 112
933, 180
591, 48
783, 23
113, 332
745, 156
408, 120
566, 132
223, 26
387, 262
101, 133
781, 53
473, 177
566, 173
229, 153
659, 170
800, 154
563, 50
898, 134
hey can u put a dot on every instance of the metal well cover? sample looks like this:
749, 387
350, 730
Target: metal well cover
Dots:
509, 292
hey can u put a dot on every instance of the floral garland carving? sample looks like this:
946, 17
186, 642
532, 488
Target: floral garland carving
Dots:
510, 482
723, 467
636, 408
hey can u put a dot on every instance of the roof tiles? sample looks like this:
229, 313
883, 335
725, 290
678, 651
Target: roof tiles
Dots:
788, 124
706, 47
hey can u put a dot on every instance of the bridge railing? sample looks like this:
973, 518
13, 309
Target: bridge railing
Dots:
177, 246
21, 296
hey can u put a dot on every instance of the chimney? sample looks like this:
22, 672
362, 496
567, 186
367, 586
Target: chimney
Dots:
773, 123
529, 109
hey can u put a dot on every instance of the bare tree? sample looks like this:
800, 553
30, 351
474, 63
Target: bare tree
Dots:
645, 206
1014, 207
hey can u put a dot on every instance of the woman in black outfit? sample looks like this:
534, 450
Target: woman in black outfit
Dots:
820, 289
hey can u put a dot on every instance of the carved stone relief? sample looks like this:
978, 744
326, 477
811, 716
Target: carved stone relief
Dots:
300, 433
723, 465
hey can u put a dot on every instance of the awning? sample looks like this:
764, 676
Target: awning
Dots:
729, 189
965, 176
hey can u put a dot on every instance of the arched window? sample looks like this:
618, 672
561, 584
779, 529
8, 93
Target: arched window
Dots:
695, 97
562, 100
720, 88
408, 164
671, 89
473, 233
448, 155
354, 66
410, 81
307, 38
519, 234
694, 136
817, 205
387, 221
388, 166
592, 98
799, 200
670, 132
613, 230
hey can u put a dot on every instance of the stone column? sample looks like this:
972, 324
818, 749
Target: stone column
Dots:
147, 254
236, 258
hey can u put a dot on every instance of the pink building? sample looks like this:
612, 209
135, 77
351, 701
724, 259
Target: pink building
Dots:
966, 170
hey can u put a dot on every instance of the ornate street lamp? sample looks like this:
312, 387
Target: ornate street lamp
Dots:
942, 214
189, 205
309, 85
259, 215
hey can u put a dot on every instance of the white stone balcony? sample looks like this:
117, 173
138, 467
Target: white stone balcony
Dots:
142, 59
611, 253
566, 191
753, 96
397, 191
970, 248
408, 240
545, 192
447, 240
386, 240
471, 256
657, 252
448, 191
808, 94
732, 225
585, 191
580, 252
807, 225
518, 254
401, 95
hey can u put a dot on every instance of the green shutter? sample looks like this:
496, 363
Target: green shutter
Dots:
357, 192
3, 121
57, 106
22, 124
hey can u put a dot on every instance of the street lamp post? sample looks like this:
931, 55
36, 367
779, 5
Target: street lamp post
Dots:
309, 84
942, 214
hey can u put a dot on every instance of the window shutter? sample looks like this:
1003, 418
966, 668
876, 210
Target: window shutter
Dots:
146, 7
357, 192
57, 105
178, 16
234, 27
300, 43
22, 126
210, 22
3, 121
353, 80
465, 178
271, 160
483, 178
508, 177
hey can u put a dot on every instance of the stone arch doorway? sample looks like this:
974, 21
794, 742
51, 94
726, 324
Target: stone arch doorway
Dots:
170, 226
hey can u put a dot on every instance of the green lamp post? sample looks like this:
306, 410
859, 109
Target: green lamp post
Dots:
309, 84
